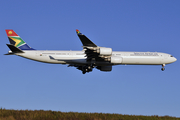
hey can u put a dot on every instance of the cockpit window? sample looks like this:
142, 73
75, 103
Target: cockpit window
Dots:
171, 56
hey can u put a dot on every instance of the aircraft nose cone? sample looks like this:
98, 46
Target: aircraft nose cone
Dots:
170, 60
175, 59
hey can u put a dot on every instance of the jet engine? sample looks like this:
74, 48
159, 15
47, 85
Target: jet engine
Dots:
104, 51
116, 60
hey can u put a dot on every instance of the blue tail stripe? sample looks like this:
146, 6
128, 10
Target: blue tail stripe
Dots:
25, 47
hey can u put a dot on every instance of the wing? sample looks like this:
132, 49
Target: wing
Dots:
85, 41
92, 51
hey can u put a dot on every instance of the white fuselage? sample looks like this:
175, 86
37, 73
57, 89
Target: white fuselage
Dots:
78, 57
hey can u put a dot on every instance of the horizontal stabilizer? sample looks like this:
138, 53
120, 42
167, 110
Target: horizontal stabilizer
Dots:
9, 54
85, 41
14, 49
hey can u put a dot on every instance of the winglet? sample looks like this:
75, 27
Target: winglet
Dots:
85, 41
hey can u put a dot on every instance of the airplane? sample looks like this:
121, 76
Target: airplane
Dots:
92, 56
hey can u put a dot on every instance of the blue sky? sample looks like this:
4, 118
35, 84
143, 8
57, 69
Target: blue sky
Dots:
122, 25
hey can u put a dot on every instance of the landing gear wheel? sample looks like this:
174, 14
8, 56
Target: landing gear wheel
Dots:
163, 65
162, 69
83, 72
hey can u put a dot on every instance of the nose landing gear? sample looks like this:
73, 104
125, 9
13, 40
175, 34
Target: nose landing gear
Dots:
163, 67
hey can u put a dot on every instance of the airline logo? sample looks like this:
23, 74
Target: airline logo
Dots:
18, 41
78, 32
15, 38
10, 32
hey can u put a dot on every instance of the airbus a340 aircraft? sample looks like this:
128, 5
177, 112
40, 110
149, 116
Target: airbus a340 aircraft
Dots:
92, 56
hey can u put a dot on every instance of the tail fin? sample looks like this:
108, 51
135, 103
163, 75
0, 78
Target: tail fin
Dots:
16, 40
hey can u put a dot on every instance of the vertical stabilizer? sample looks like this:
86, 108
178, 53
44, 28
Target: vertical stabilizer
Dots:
16, 40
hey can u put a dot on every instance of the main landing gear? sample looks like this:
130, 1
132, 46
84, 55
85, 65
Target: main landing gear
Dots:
87, 68
163, 67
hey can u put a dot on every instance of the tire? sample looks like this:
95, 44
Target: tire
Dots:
162, 69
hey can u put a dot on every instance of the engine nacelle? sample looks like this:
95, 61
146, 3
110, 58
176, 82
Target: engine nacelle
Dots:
104, 68
104, 51
116, 60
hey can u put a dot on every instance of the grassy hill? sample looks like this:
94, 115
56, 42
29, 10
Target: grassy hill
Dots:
53, 115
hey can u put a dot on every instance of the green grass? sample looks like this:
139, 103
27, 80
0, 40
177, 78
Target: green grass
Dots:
53, 115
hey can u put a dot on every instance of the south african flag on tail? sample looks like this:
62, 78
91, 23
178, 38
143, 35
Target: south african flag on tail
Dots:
16, 40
